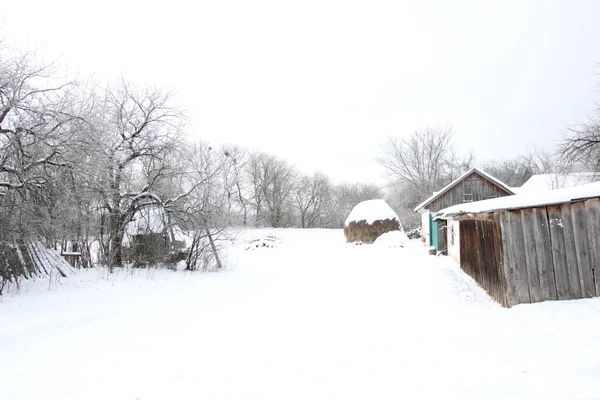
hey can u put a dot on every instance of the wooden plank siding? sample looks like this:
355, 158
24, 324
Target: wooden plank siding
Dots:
559, 255
507, 261
531, 256
543, 245
517, 247
535, 254
481, 256
482, 189
575, 291
582, 249
593, 226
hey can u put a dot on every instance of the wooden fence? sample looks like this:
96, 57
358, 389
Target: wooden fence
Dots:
27, 259
535, 254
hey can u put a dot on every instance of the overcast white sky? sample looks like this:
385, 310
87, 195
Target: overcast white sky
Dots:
323, 83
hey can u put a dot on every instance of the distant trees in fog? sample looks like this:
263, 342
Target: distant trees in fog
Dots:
264, 190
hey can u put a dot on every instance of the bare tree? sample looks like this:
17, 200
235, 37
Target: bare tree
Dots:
236, 186
39, 116
512, 171
423, 162
200, 209
134, 135
272, 181
312, 196
581, 143
456, 164
36, 121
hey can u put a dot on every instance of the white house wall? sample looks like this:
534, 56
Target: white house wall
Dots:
453, 233
425, 227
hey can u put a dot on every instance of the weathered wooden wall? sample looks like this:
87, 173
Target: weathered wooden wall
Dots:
148, 248
482, 189
553, 252
481, 256
545, 253
151, 248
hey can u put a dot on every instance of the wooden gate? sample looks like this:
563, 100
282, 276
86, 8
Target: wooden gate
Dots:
481, 256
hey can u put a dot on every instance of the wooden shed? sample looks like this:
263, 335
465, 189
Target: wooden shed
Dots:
152, 237
532, 247
473, 185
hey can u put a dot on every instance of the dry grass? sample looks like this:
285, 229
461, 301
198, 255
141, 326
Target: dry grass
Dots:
361, 231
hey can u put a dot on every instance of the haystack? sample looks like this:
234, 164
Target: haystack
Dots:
370, 219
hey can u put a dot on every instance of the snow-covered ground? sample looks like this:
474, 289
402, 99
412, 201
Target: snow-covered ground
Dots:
305, 317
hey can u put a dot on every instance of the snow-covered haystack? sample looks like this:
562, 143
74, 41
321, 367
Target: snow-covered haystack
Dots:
370, 219
392, 239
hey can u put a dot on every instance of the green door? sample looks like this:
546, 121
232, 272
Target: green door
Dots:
433, 233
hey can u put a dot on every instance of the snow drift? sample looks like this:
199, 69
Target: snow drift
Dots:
392, 239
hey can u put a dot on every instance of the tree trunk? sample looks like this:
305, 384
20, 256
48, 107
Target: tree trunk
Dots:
190, 262
117, 232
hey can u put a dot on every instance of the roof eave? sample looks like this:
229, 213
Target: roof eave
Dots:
472, 214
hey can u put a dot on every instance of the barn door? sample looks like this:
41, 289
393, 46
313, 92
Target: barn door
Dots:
482, 257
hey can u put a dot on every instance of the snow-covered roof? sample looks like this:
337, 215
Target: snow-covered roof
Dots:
525, 200
515, 190
460, 178
151, 219
371, 211
558, 181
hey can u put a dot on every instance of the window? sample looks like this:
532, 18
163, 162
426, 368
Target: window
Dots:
467, 194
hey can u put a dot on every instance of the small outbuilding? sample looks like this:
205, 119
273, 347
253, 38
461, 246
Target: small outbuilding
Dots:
370, 219
152, 237
473, 185
531, 247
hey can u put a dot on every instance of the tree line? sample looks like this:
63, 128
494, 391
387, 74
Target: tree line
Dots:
79, 162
